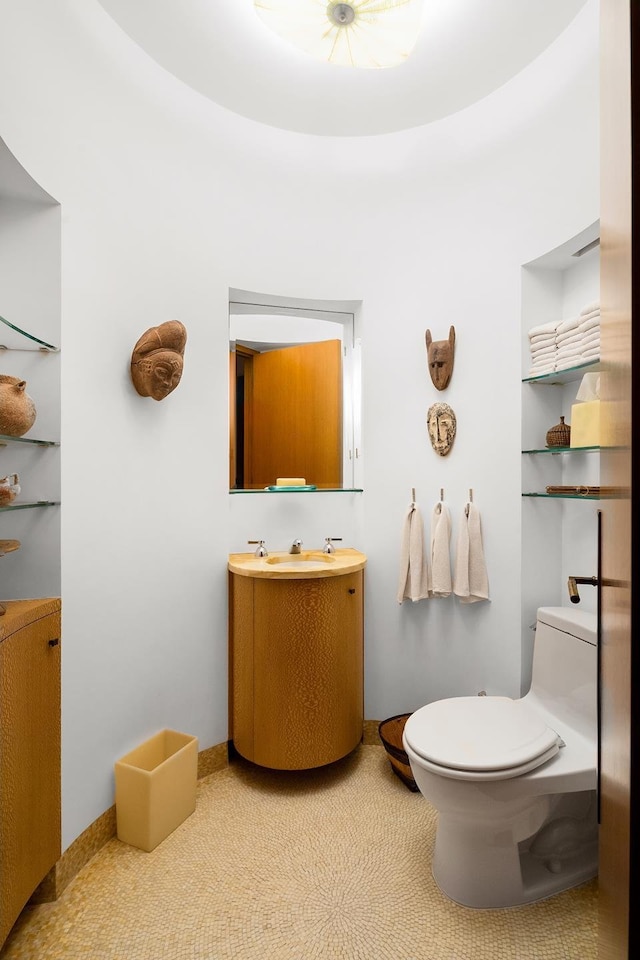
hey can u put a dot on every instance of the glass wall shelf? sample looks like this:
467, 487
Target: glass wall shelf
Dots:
297, 492
30, 506
43, 346
556, 450
566, 496
566, 376
4, 440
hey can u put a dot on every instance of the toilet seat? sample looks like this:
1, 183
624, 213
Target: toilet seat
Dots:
480, 738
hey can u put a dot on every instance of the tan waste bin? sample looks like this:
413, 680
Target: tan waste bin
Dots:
156, 788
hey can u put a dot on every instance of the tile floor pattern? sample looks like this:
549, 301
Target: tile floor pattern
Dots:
331, 864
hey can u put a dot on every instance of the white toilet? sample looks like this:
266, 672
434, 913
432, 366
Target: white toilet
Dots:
514, 781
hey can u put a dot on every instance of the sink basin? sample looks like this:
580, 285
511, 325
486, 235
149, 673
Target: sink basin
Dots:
297, 566
302, 561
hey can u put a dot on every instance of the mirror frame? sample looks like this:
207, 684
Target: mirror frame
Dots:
348, 314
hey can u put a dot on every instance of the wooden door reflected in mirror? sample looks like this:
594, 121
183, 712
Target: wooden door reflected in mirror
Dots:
288, 415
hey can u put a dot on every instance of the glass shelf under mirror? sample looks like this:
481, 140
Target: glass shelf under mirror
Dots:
306, 492
43, 346
30, 506
4, 440
565, 376
554, 451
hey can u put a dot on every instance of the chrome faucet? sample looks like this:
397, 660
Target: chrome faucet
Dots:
262, 550
328, 544
295, 546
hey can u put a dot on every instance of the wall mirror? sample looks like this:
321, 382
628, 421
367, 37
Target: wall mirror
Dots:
294, 392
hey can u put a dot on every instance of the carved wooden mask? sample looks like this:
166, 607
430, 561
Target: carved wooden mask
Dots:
440, 358
441, 424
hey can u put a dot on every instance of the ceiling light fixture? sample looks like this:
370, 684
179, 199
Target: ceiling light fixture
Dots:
360, 33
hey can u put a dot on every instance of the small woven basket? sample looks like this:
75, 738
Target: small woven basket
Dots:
390, 732
560, 435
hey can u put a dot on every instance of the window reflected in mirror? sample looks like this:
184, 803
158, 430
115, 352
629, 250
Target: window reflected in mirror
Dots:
291, 394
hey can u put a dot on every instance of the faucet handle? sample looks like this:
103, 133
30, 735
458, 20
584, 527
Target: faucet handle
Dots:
261, 550
328, 544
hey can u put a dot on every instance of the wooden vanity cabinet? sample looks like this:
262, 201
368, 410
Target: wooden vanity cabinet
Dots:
29, 751
296, 656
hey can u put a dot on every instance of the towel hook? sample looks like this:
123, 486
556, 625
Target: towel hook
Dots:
441, 493
466, 509
413, 494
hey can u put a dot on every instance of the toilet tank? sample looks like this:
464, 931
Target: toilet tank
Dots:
565, 664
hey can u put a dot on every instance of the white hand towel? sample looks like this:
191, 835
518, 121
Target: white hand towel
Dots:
569, 360
580, 342
590, 307
577, 361
590, 323
543, 340
573, 336
578, 350
537, 363
588, 339
542, 328
440, 551
542, 370
413, 583
537, 352
570, 324
592, 354
470, 582
575, 350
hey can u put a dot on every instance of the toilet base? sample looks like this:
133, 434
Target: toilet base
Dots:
549, 847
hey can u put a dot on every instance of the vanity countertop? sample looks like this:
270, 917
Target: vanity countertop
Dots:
306, 565
19, 613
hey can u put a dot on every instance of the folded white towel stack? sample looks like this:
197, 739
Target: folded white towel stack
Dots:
413, 583
440, 551
470, 581
542, 344
569, 343
580, 342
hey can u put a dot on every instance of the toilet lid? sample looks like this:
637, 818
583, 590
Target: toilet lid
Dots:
480, 734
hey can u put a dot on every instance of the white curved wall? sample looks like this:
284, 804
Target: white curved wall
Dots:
167, 201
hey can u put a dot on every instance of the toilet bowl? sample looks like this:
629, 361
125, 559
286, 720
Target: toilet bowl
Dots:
514, 781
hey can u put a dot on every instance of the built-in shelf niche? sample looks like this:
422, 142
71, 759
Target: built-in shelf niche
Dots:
559, 530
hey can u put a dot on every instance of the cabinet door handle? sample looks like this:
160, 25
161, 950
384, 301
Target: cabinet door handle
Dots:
54, 643
352, 589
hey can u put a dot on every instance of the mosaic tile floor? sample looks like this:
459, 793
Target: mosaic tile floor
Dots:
331, 864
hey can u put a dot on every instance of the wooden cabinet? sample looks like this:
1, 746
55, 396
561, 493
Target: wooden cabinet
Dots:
296, 657
29, 751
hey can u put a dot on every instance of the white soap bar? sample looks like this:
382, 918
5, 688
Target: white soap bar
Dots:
290, 482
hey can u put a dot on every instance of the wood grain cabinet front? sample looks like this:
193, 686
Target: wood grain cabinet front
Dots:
29, 751
296, 656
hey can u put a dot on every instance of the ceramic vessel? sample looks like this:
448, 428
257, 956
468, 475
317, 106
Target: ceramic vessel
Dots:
9, 489
17, 409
